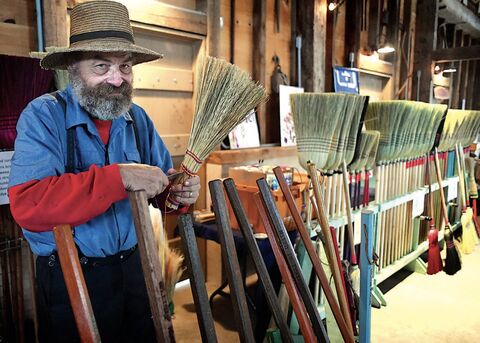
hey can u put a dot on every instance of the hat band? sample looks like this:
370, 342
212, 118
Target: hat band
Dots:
101, 34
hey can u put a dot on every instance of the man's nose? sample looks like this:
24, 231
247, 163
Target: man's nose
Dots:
115, 78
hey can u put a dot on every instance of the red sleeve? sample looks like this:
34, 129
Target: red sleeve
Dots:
74, 199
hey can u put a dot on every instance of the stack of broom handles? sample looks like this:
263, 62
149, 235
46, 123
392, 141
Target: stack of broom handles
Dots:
75, 282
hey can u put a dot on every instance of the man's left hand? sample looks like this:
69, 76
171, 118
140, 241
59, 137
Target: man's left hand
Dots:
186, 193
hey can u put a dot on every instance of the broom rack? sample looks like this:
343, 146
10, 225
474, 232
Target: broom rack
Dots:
410, 260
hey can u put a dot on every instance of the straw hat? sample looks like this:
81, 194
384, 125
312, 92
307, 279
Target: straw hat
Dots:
98, 26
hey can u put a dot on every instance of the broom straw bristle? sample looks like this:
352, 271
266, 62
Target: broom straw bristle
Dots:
224, 96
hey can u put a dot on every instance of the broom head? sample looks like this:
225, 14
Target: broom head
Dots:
453, 262
435, 263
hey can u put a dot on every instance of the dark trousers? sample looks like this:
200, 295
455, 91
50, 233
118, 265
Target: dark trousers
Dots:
117, 291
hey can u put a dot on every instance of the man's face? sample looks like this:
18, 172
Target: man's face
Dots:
103, 84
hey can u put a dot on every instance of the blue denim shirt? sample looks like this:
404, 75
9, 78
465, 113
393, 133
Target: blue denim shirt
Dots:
41, 151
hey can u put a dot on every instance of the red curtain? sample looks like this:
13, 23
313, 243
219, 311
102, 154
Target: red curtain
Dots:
21, 80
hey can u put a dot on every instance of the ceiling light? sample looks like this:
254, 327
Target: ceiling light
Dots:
387, 48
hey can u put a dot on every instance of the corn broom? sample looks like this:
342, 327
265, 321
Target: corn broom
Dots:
224, 96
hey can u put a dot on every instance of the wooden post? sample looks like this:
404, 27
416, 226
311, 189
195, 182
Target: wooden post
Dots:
425, 41
455, 78
352, 31
55, 23
213, 27
75, 282
152, 269
312, 26
259, 62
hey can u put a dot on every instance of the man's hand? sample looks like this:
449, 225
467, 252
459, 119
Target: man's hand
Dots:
138, 177
188, 192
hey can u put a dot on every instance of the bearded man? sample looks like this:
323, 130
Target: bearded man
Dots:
77, 152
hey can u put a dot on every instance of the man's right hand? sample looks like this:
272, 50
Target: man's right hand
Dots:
136, 177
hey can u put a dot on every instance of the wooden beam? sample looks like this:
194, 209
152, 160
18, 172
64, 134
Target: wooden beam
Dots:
425, 40
352, 31
470, 95
213, 27
456, 78
476, 85
329, 87
17, 40
311, 25
411, 44
259, 62
55, 25
245, 155
465, 83
466, 53
374, 12
163, 15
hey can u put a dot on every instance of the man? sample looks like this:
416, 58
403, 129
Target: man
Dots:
76, 155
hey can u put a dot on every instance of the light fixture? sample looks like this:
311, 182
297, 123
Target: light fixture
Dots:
332, 5
437, 69
385, 49
450, 69
384, 46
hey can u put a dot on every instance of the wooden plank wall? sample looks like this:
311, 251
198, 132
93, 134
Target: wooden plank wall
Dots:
17, 27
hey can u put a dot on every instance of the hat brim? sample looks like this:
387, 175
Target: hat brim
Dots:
59, 58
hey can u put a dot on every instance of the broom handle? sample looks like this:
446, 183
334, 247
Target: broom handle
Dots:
353, 256
293, 293
197, 280
75, 283
230, 259
442, 194
152, 269
291, 258
461, 180
329, 247
317, 265
257, 259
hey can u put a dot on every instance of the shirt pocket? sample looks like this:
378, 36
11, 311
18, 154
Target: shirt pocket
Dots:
132, 156
86, 158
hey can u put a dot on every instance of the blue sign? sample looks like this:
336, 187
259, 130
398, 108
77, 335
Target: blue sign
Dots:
345, 80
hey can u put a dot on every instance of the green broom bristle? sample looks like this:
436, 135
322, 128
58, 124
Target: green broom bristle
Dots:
318, 121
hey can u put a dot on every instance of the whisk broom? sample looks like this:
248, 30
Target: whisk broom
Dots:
224, 96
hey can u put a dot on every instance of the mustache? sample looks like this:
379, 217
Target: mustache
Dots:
106, 89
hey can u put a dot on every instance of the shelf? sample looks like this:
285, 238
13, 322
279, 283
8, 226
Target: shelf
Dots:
417, 196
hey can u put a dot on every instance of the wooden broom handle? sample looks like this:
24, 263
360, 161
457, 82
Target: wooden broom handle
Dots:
461, 178
317, 266
75, 282
346, 193
230, 262
152, 270
259, 263
329, 247
442, 194
293, 293
197, 280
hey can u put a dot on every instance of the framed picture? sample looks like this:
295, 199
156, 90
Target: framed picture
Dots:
287, 129
245, 134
